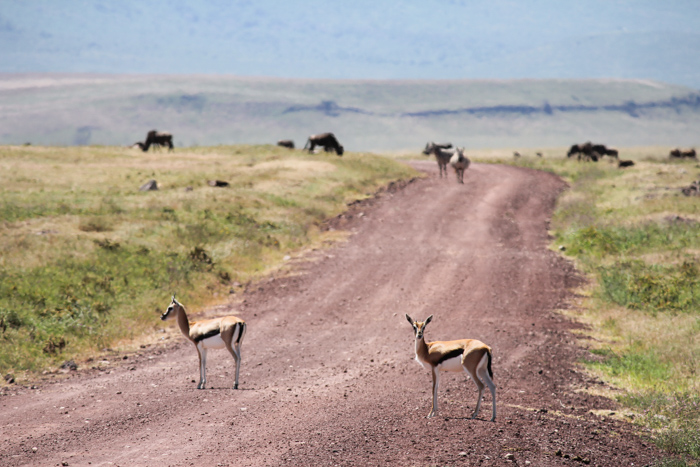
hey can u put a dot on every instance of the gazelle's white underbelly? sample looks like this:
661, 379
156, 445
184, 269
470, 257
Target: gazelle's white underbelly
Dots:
214, 342
452, 364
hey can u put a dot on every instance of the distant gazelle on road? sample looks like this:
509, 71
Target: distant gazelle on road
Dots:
468, 355
216, 333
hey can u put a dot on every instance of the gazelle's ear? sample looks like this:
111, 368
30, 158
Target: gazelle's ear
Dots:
430, 318
410, 320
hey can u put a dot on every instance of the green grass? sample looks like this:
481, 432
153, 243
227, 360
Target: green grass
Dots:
637, 238
87, 260
638, 285
674, 420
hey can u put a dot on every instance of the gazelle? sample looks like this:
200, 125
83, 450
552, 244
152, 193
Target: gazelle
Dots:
460, 163
216, 333
468, 355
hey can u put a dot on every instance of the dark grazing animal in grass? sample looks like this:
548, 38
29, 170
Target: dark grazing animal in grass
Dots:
286, 143
612, 152
683, 153
623, 164
327, 141
574, 150
157, 140
587, 151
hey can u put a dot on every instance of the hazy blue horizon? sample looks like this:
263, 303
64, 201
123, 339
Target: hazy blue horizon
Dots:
357, 40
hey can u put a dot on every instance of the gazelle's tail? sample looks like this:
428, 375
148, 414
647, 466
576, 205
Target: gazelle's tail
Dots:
489, 365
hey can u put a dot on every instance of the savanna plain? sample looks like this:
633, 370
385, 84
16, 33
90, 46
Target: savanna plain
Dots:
583, 277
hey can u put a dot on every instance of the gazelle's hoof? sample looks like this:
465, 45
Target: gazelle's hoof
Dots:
235, 386
431, 415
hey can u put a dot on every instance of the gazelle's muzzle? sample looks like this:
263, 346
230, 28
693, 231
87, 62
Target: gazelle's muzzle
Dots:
419, 332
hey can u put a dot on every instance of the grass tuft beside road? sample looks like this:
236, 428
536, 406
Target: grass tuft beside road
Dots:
88, 261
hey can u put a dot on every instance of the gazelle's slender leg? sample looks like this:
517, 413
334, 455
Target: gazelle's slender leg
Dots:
202, 366
480, 387
238, 366
235, 351
484, 374
436, 385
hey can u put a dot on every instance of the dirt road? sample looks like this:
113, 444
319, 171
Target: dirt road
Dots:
329, 376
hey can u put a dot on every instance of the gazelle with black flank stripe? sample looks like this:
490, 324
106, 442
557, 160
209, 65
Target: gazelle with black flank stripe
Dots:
216, 333
468, 355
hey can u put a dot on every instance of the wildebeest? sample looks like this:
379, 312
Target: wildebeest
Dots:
591, 152
580, 149
612, 152
156, 139
327, 140
441, 156
460, 163
603, 150
286, 143
623, 164
683, 153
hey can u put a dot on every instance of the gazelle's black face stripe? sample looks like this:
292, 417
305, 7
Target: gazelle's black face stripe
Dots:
418, 329
167, 312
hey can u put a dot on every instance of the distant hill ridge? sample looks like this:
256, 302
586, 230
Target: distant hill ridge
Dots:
67, 109
632, 108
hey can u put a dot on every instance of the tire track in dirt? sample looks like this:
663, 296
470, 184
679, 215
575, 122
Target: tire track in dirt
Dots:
328, 374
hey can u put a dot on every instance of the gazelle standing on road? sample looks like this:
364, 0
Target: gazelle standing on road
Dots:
460, 163
468, 355
217, 333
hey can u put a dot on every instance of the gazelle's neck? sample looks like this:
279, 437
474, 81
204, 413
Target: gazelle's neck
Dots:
421, 350
183, 323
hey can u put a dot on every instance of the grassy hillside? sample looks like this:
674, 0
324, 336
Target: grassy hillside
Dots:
365, 115
87, 260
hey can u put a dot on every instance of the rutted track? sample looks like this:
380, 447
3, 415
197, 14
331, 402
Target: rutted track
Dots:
328, 373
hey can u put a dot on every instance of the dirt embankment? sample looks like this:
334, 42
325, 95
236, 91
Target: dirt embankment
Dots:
329, 376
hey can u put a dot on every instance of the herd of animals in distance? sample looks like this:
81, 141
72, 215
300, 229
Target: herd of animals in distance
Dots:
470, 356
444, 153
